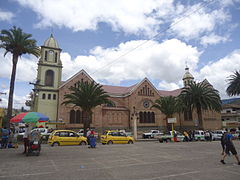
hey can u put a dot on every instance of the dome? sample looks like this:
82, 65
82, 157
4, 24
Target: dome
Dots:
51, 42
187, 74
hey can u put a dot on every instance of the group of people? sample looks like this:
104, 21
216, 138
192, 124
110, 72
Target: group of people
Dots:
91, 138
7, 138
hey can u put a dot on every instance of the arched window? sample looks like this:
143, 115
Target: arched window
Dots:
49, 78
72, 117
78, 116
43, 96
54, 96
144, 117
141, 117
56, 56
152, 117
45, 56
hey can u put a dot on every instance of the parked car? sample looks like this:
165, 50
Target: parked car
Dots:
217, 134
150, 134
66, 137
199, 135
116, 137
168, 136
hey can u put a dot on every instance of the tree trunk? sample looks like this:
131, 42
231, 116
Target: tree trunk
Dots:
86, 122
11, 90
200, 123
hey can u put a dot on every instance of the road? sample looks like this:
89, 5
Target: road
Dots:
142, 160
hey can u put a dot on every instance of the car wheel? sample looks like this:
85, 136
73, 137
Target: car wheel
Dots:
103, 143
82, 143
110, 142
56, 144
130, 142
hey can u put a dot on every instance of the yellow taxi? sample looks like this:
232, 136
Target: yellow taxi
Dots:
116, 137
66, 137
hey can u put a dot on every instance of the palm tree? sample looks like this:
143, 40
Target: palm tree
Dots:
17, 43
201, 96
234, 84
86, 96
168, 106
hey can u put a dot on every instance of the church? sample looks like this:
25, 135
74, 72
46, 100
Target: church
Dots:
128, 102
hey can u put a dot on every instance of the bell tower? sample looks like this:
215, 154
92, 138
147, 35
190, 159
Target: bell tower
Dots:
187, 78
49, 74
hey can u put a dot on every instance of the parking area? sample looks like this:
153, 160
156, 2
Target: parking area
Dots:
142, 160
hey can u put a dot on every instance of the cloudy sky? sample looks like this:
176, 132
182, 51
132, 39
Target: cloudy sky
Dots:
119, 42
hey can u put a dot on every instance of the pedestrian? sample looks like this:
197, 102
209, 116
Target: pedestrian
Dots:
26, 138
88, 135
229, 146
223, 142
5, 137
186, 136
206, 136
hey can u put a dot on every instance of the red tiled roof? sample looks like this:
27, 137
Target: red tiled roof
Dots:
175, 92
117, 89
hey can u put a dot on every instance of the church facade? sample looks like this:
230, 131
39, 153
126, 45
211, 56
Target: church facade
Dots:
128, 102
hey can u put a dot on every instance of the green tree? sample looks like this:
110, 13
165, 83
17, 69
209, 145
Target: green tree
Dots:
86, 96
234, 84
201, 96
168, 106
16, 42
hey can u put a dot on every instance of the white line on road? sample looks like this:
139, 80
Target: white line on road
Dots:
21, 175
173, 175
54, 165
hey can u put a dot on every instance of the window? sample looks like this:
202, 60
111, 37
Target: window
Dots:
63, 134
49, 78
72, 117
49, 96
43, 96
147, 117
54, 96
45, 57
78, 116
56, 56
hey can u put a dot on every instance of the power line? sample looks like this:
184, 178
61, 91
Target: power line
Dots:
164, 30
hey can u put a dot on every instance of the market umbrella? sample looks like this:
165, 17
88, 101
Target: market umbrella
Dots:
29, 117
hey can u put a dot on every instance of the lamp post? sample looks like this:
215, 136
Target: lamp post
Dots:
134, 117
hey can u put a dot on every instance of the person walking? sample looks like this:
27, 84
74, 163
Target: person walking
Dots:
5, 137
230, 146
223, 142
26, 138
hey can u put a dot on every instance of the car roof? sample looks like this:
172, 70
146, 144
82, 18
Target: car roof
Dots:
63, 130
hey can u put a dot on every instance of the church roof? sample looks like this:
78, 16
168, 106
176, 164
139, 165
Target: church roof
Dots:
51, 42
118, 89
175, 92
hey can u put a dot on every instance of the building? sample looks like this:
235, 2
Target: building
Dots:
231, 113
135, 100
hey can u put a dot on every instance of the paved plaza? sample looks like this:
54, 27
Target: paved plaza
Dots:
142, 160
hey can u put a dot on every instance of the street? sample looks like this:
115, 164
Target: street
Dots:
142, 160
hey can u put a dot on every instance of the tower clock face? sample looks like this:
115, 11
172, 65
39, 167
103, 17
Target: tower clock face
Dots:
50, 52
146, 104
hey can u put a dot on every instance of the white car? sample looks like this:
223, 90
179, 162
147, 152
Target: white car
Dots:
199, 135
217, 134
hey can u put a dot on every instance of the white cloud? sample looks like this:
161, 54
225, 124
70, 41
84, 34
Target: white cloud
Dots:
135, 16
213, 39
198, 23
26, 67
6, 15
217, 72
161, 61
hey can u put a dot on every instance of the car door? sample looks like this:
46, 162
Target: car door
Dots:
63, 138
73, 138
122, 138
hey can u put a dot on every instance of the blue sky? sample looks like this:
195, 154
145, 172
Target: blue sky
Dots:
94, 34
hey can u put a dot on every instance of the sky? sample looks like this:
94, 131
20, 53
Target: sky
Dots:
120, 42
